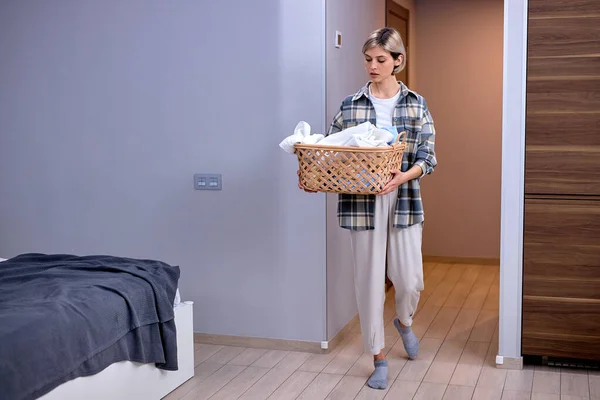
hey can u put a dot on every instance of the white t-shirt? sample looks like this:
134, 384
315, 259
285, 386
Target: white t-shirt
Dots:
384, 109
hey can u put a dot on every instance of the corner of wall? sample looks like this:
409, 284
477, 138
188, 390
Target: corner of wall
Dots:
345, 74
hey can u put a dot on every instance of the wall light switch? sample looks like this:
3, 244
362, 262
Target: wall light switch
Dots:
338, 39
207, 182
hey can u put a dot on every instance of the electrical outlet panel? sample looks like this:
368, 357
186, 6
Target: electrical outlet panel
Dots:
207, 182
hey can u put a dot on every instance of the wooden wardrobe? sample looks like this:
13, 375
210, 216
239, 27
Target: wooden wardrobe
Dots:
561, 282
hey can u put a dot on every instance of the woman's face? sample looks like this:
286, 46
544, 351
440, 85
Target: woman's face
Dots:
380, 64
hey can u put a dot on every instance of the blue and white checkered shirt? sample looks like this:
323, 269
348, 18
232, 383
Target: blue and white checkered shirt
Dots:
411, 114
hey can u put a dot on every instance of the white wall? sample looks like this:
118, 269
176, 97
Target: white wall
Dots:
345, 75
459, 68
107, 109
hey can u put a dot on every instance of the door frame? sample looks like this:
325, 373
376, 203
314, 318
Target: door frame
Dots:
403, 13
513, 181
513, 177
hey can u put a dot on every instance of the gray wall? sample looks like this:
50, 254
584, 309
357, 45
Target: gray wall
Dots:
345, 75
459, 56
107, 109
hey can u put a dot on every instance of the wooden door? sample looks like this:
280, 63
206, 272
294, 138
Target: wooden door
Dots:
561, 264
397, 17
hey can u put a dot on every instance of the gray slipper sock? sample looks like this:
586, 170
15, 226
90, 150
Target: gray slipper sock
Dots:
411, 343
378, 379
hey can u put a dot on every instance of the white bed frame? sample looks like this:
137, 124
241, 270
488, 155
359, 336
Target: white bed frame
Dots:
127, 380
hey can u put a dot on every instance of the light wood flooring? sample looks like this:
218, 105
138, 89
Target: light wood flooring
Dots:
457, 323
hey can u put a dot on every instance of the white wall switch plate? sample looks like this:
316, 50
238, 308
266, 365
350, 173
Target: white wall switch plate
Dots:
338, 39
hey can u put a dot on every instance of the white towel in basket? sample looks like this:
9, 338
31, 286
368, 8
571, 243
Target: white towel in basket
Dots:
301, 135
362, 135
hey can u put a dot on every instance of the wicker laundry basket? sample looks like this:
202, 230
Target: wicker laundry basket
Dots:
351, 170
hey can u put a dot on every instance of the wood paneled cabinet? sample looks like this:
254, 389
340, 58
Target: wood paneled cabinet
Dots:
561, 265
561, 282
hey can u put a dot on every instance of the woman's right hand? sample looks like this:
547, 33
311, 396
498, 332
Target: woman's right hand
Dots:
302, 187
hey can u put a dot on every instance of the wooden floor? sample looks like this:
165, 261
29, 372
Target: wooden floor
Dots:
457, 323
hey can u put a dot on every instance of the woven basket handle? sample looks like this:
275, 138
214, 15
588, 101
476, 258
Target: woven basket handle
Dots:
403, 137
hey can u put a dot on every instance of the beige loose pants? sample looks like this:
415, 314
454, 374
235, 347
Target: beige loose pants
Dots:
405, 270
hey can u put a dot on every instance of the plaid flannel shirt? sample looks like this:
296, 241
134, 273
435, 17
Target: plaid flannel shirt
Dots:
411, 114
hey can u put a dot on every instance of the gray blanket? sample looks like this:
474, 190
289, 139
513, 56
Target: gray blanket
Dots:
63, 316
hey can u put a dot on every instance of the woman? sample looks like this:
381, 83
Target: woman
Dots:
390, 223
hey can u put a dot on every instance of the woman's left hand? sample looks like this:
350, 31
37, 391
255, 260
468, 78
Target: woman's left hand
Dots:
398, 179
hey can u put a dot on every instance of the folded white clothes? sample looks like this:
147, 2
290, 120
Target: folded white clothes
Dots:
362, 135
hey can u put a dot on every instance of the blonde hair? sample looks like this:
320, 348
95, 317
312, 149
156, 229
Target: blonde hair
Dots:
390, 40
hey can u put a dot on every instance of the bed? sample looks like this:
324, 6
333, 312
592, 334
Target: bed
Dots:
140, 346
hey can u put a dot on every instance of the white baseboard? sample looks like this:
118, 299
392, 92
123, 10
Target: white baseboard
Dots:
323, 347
258, 342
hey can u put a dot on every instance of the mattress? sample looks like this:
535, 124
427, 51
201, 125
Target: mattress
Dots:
175, 302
